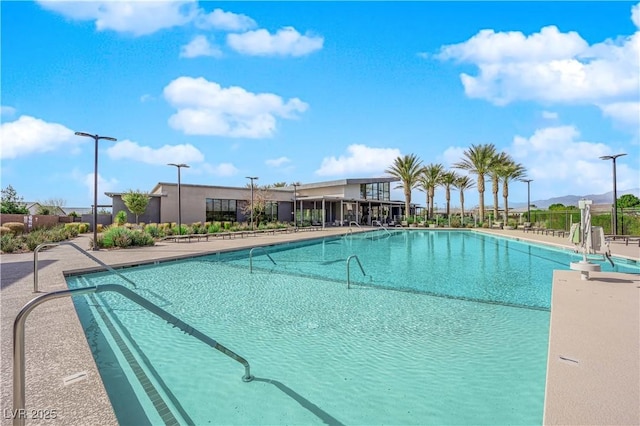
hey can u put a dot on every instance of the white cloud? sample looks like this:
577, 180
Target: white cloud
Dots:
550, 67
128, 150
146, 98
359, 159
28, 135
104, 185
560, 163
199, 46
625, 113
134, 17
206, 108
225, 21
453, 155
277, 162
221, 170
555, 157
635, 15
286, 42
549, 115
7, 111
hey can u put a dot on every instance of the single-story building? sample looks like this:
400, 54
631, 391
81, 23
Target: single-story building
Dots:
324, 203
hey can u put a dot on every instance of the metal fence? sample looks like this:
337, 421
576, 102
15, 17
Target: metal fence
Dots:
628, 220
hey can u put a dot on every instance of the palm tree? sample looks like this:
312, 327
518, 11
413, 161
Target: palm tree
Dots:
407, 168
429, 180
478, 160
498, 161
448, 180
462, 184
508, 172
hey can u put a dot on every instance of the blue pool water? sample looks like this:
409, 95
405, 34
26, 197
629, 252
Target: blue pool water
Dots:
444, 328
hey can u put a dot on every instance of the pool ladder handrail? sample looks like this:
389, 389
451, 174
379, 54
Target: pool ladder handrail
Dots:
353, 222
86, 253
251, 257
348, 271
21, 318
384, 227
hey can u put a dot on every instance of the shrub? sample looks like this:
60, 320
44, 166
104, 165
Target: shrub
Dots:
141, 239
214, 228
16, 228
4, 230
227, 226
83, 227
122, 237
455, 223
34, 239
9, 243
120, 218
100, 228
154, 230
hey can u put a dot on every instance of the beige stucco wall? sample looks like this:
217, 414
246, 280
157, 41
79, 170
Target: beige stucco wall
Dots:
194, 199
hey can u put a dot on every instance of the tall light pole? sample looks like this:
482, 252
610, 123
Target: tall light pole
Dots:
528, 181
252, 178
295, 217
614, 224
96, 138
179, 166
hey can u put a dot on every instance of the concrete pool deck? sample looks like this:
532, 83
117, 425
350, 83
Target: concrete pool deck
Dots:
593, 368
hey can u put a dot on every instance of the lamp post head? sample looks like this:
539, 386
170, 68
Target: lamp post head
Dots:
612, 157
96, 137
178, 165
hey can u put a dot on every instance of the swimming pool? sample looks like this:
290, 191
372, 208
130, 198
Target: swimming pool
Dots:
407, 344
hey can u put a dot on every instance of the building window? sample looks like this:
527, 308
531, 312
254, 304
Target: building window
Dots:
221, 210
271, 211
375, 191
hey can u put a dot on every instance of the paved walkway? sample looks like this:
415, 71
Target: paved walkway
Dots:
61, 375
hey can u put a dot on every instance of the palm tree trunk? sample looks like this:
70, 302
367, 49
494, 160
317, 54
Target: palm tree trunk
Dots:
407, 202
494, 187
505, 195
448, 196
481, 197
427, 199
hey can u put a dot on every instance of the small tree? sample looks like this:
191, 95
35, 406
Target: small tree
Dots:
136, 201
628, 200
261, 198
10, 202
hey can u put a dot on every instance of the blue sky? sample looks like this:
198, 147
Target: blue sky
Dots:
315, 91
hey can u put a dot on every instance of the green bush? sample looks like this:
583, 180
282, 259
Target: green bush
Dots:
121, 218
118, 236
214, 228
154, 230
9, 243
34, 239
141, 239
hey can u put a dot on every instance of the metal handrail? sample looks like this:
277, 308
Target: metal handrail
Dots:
95, 259
21, 318
348, 272
353, 222
384, 227
251, 257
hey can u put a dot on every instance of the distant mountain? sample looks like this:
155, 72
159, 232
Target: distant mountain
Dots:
572, 200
